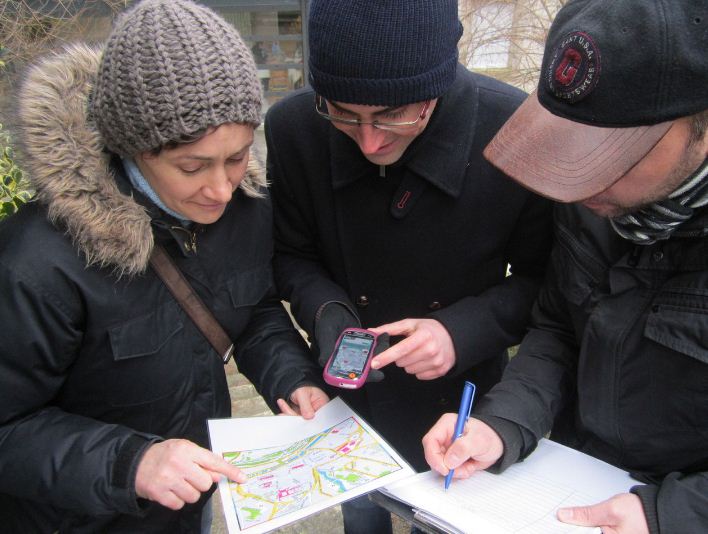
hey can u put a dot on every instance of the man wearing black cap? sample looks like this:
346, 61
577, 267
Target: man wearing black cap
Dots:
620, 337
388, 216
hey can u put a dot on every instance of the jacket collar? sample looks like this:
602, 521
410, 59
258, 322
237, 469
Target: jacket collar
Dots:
165, 226
438, 155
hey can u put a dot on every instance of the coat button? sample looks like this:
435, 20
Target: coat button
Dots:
657, 256
435, 305
362, 301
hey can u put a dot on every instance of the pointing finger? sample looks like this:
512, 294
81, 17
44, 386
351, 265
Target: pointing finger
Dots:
215, 463
396, 352
403, 327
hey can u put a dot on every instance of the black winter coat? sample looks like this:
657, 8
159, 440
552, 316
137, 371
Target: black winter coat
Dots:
97, 359
431, 239
620, 337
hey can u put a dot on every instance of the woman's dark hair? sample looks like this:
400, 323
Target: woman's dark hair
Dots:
184, 140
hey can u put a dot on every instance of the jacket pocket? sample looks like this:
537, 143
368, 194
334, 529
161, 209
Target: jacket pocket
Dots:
249, 287
679, 321
151, 358
145, 335
578, 271
245, 291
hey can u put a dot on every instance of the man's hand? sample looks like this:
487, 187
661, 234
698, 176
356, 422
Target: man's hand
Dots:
427, 352
177, 471
478, 448
305, 401
622, 514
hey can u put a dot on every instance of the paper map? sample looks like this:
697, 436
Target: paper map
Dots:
287, 482
306, 472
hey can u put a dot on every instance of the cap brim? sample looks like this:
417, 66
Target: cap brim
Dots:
566, 160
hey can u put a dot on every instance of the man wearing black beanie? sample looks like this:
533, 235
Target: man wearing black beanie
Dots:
388, 217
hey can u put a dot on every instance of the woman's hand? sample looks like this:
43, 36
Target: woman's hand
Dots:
304, 401
177, 471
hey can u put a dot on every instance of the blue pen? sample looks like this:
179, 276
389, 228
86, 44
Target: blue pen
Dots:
462, 416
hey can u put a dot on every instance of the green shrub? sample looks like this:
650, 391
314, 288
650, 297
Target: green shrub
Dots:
14, 190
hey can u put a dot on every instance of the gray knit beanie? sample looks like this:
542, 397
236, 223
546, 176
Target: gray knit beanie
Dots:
170, 69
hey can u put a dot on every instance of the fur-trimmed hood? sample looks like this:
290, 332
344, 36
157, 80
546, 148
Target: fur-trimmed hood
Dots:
70, 170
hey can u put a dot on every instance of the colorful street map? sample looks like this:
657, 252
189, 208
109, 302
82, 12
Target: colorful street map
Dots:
283, 480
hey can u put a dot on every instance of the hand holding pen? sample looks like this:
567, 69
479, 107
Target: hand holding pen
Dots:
452, 452
462, 416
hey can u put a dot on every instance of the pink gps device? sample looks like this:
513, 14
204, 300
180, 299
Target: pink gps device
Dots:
349, 364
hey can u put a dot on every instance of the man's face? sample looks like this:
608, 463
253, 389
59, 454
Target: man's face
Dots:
381, 147
656, 176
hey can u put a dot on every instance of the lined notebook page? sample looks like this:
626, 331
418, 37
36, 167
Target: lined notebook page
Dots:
522, 500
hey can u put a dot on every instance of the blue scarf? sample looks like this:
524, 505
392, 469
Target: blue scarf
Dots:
141, 184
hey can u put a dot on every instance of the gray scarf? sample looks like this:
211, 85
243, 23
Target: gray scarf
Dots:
661, 219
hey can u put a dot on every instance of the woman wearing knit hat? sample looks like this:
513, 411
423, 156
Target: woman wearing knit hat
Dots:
106, 383
388, 216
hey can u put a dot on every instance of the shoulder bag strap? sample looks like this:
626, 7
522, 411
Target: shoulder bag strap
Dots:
181, 289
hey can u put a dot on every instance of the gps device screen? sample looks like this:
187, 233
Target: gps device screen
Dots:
352, 354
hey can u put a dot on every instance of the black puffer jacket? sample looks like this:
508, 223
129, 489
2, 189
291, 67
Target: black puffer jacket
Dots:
97, 359
621, 338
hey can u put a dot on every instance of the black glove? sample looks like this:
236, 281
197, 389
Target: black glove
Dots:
333, 319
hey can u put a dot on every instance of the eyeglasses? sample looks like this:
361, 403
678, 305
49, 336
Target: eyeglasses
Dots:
322, 108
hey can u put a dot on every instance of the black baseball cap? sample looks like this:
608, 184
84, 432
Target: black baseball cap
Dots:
614, 77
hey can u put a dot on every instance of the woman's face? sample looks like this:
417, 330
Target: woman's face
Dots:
197, 179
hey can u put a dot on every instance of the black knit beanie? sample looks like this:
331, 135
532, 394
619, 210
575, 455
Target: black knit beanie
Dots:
383, 52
